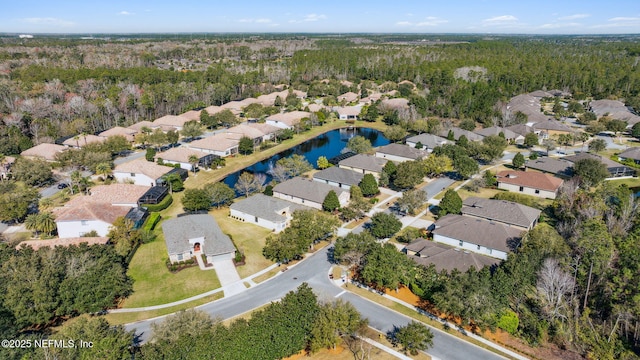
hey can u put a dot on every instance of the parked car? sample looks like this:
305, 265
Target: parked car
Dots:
63, 185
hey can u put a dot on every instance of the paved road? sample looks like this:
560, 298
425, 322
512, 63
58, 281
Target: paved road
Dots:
314, 271
136, 155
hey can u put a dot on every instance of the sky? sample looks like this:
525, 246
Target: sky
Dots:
328, 16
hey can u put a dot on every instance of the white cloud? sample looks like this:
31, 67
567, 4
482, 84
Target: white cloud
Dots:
625, 19
432, 21
263, 21
500, 19
245, 20
574, 17
558, 25
314, 17
404, 23
126, 13
621, 21
49, 21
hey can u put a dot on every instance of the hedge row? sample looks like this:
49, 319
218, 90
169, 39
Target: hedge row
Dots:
165, 203
152, 221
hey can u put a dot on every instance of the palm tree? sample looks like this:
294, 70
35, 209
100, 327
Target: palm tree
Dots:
31, 223
103, 169
193, 160
47, 222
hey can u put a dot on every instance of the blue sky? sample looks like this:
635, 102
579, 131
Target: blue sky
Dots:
389, 16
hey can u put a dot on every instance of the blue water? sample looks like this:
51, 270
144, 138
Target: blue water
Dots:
329, 145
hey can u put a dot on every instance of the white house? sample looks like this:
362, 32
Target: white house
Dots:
141, 172
529, 183
477, 235
335, 176
308, 192
222, 145
287, 120
193, 235
348, 112
182, 157
83, 215
428, 141
171, 121
265, 211
364, 164
400, 153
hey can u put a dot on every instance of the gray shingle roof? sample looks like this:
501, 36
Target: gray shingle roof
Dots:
503, 211
457, 132
266, 207
447, 258
429, 141
492, 235
306, 189
362, 161
612, 166
339, 175
558, 167
630, 153
178, 231
400, 150
496, 130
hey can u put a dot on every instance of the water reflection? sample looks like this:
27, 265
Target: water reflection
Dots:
329, 145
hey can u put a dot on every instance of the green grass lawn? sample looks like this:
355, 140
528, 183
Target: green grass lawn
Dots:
633, 182
155, 285
248, 238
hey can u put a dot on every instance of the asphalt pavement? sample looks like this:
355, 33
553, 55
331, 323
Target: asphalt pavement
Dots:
314, 271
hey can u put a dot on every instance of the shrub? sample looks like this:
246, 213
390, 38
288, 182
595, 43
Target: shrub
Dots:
165, 203
527, 200
509, 322
152, 221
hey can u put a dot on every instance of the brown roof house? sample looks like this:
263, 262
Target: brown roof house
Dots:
141, 172
348, 97
365, 164
400, 153
308, 192
80, 141
529, 183
444, 257
118, 194
44, 151
171, 121
193, 235
127, 133
287, 120
506, 212
477, 235
222, 144
82, 215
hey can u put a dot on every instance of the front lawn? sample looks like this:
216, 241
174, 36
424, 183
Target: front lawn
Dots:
248, 238
155, 285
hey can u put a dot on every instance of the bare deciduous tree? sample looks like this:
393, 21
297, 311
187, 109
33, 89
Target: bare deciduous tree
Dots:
553, 286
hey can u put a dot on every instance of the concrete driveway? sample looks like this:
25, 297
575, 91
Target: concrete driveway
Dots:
229, 278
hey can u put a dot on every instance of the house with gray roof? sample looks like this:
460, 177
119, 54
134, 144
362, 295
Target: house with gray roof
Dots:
428, 141
632, 153
400, 153
444, 257
615, 169
506, 212
364, 164
457, 132
308, 192
558, 167
496, 130
192, 235
335, 176
480, 236
269, 212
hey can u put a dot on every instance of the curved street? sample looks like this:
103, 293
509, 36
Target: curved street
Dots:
314, 271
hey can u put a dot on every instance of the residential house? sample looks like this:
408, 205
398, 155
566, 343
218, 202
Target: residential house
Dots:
270, 99
118, 194
222, 145
252, 132
335, 176
528, 105
632, 153
615, 109
400, 153
551, 127
372, 98
558, 167
394, 104
192, 235
43, 151
169, 122
313, 107
476, 235
191, 115
348, 112
522, 130
182, 156
496, 130
348, 97
268, 131
266, 211
127, 133
529, 183
444, 257
79, 141
82, 215
308, 192
364, 164
141, 172
428, 141
287, 120
615, 169
506, 212
457, 132
137, 127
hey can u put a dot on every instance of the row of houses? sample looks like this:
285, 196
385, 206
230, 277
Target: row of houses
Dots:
483, 235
